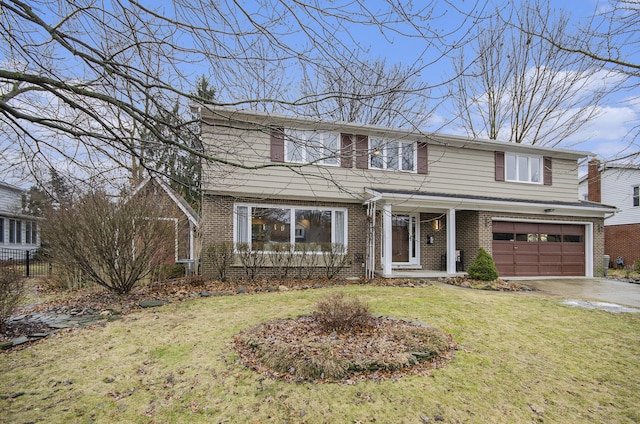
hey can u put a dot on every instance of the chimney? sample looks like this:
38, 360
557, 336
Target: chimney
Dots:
593, 180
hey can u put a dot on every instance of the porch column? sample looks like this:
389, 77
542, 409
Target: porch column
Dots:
386, 240
451, 241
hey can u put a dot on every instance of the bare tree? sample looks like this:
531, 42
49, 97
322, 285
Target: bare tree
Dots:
371, 93
112, 244
519, 88
611, 39
84, 82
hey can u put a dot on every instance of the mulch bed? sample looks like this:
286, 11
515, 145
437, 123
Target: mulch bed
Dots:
496, 285
94, 300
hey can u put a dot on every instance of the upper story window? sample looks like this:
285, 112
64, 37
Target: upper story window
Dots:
396, 155
636, 196
302, 146
523, 168
1, 229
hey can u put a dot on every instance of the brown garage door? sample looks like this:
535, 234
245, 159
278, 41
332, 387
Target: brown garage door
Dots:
530, 249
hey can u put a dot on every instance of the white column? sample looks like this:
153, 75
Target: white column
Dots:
588, 245
451, 241
386, 240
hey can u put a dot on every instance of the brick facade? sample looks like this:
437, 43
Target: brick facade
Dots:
217, 227
473, 231
622, 241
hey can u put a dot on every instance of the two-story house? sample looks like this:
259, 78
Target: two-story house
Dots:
617, 185
18, 230
397, 200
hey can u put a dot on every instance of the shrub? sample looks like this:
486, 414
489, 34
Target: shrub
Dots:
165, 272
336, 313
220, 255
252, 260
11, 292
482, 268
335, 259
281, 257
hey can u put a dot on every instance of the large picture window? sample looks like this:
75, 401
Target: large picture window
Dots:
395, 155
303, 146
523, 168
302, 228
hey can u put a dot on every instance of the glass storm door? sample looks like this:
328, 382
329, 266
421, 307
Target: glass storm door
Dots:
404, 230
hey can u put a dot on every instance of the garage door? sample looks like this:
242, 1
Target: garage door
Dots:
530, 249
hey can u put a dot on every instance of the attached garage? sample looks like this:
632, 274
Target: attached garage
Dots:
538, 249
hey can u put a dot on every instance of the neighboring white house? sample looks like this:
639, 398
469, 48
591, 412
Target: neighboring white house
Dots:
18, 230
399, 201
619, 186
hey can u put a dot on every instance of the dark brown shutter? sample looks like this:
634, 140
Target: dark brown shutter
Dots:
346, 151
547, 172
277, 144
499, 166
362, 152
423, 157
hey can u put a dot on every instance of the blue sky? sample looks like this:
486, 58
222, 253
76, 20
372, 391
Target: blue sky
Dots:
606, 136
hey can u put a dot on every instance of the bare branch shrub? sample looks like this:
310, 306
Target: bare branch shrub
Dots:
335, 259
11, 292
113, 243
342, 315
305, 260
220, 255
252, 260
281, 258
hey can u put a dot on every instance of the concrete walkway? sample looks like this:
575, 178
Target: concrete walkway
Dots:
598, 289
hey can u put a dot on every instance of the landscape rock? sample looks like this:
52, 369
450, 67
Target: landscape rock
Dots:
6, 345
151, 303
283, 288
205, 294
20, 340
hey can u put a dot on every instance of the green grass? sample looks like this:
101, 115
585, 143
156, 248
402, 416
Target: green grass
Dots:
522, 358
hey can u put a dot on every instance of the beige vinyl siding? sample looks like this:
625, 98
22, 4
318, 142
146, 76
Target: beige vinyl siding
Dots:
452, 170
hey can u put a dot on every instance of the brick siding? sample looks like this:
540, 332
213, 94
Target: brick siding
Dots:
217, 227
622, 241
473, 231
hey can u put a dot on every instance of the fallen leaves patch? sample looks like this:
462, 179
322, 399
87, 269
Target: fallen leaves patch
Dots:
298, 350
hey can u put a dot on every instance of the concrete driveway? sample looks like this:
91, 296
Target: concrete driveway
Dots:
598, 289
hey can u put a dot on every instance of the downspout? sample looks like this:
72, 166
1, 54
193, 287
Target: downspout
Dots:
370, 261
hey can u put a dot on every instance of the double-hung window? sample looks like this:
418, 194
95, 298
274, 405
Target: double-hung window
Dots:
15, 231
636, 195
1, 229
263, 227
30, 232
392, 155
303, 146
523, 168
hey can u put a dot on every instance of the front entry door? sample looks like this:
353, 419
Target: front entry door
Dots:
404, 240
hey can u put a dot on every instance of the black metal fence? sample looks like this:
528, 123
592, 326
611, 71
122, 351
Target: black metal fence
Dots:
33, 262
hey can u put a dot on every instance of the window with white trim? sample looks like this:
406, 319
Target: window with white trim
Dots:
303, 146
15, 231
31, 229
263, 227
391, 154
1, 229
636, 195
523, 168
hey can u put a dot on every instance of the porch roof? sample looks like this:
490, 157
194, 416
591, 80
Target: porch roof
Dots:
436, 202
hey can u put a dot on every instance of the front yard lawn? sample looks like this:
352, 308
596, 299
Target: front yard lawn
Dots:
520, 358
